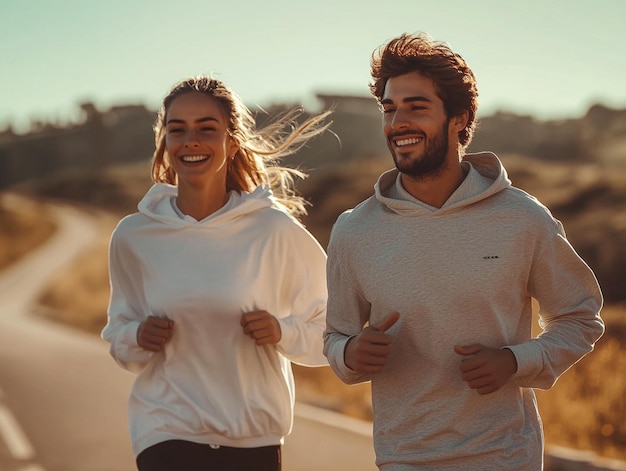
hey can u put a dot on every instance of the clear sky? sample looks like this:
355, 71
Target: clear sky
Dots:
548, 58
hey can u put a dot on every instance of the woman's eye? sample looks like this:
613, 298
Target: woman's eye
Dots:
388, 110
174, 131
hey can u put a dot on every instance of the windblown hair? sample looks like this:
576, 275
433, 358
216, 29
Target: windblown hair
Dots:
454, 81
258, 151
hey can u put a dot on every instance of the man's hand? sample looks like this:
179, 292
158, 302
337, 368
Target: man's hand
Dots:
486, 369
262, 327
154, 332
368, 351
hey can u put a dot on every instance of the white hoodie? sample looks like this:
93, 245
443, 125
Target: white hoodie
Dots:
212, 384
458, 275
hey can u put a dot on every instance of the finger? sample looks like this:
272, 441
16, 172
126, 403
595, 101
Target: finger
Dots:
468, 349
467, 366
160, 322
255, 326
483, 386
266, 331
478, 384
385, 324
373, 349
248, 317
374, 360
162, 337
150, 345
156, 332
264, 340
475, 375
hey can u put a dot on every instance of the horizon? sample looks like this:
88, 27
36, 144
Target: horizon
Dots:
549, 61
78, 119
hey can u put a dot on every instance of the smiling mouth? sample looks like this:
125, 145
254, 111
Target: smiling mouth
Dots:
407, 141
194, 158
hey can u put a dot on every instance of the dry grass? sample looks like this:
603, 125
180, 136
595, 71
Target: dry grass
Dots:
586, 408
80, 294
24, 225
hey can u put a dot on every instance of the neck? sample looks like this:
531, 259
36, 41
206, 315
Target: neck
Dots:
200, 203
435, 190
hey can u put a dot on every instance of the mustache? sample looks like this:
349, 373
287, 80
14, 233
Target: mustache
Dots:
396, 134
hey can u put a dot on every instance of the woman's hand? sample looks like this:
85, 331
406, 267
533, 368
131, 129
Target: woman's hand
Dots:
262, 327
154, 333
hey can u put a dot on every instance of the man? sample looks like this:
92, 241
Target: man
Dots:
431, 279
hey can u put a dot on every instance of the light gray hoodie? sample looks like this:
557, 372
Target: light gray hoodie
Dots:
461, 274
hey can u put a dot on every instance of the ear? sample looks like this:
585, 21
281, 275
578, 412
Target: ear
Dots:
232, 148
459, 122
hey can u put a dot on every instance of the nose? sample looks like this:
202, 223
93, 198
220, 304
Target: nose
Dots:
399, 119
191, 139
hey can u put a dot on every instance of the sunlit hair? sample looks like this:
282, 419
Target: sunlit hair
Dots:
258, 151
454, 81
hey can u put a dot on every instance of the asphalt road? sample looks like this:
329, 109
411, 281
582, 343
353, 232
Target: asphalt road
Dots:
63, 398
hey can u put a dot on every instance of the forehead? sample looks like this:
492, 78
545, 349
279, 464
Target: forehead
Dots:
410, 85
195, 105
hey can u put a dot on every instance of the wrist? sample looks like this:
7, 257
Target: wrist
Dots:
347, 353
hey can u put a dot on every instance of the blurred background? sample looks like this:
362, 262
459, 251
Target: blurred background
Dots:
82, 80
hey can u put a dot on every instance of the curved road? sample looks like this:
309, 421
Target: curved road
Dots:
63, 399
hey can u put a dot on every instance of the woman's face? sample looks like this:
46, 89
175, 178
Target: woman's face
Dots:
197, 141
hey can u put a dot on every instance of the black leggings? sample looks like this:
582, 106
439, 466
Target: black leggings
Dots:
181, 455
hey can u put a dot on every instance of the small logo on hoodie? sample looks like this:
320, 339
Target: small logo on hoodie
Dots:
490, 257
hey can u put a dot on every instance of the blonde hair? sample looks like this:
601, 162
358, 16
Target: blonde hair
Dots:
258, 153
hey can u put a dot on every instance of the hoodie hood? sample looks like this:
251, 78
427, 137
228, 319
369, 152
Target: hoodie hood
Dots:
485, 177
159, 203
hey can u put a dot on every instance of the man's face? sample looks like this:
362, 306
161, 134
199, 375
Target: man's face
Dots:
416, 125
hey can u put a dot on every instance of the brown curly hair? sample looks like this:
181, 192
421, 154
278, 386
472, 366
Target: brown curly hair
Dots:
454, 81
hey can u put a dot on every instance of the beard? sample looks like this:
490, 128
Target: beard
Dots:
431, 162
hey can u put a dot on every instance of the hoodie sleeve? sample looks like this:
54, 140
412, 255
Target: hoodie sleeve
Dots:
303, 294
124, 314
348, 311
570, 302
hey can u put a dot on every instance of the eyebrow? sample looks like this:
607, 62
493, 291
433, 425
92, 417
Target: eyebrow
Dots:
199, 120
410, 99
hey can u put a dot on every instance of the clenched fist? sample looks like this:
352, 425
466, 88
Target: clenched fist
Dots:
368, 351
486, 369
262, 327
154, 333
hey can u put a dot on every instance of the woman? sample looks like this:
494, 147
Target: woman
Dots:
215, 287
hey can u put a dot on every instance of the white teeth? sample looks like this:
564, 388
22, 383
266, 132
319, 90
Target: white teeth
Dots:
194, 158
406, 142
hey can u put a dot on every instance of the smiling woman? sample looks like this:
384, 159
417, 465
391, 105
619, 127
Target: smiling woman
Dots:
216, 287
213, 112
198, 147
